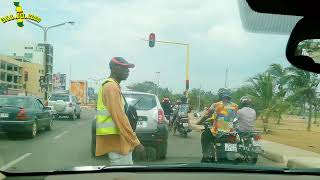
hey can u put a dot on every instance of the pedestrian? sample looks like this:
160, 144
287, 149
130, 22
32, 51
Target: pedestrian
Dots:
114, 134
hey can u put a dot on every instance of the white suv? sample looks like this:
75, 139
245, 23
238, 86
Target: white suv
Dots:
64, 105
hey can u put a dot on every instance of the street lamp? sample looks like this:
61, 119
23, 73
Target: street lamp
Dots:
46, 28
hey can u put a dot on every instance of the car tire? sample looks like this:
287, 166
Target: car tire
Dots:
73, 116
93, 139
50, 125
162, 150
151, 154
34, 129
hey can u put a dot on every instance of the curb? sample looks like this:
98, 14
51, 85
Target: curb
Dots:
304, 163
276, 157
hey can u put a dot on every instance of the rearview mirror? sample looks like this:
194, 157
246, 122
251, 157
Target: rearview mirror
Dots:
303, 48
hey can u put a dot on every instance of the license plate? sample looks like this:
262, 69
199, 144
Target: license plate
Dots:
4, 115
230, 147
141, 124
256, 143
185, 125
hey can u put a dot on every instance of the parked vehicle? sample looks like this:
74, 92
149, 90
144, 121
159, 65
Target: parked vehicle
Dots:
23, 115
181, 124
65, 106
152, 126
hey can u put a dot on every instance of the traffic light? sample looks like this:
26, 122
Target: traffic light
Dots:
152, 40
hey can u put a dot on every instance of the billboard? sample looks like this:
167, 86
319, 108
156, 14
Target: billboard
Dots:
79, 89
59, 81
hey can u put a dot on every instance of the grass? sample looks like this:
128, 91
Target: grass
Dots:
292, 131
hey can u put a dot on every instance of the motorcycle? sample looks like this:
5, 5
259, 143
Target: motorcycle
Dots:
182, 121
224, 148
249, 145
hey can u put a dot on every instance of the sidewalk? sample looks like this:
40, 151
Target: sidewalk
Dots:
290, 156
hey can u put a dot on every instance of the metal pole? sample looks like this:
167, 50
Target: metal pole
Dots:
45, 30
226, 79
187, 70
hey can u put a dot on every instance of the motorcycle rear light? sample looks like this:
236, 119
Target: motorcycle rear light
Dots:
257, 138
21, 115
232, 139
160, 116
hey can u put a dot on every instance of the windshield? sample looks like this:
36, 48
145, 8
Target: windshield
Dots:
140, 101
64, 98
14, 101
208, 53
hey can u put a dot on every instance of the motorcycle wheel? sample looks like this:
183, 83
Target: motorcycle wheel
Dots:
185, 135
253, 158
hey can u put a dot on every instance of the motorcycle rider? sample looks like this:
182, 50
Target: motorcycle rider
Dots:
221, 114
245, 116
166, 106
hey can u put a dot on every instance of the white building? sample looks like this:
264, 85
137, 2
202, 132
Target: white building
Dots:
30, 51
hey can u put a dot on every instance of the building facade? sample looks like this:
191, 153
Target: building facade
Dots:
20, 77
59, 81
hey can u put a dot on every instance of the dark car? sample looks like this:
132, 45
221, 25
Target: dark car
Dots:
23, 115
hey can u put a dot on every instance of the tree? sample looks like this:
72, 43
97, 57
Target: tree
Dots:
304, 84
262, 93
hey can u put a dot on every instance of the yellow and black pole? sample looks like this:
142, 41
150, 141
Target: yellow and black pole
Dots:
152, 43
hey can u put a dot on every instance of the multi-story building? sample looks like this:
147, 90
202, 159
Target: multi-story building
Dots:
11, 75
18, 76
59, 81
38, 54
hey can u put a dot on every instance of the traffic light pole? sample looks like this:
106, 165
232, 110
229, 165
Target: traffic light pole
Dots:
187, 59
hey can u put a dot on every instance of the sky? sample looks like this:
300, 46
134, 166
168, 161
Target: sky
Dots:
104, 29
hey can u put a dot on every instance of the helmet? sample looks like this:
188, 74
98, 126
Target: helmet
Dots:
245, 100
166, 100
224, 92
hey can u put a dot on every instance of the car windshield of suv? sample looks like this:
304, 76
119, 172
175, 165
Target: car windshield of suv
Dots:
141, 102
64, 98
225, 60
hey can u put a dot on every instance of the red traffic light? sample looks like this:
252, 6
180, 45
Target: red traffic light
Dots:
152, 39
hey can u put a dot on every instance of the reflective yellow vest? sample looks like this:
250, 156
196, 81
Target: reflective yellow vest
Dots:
104, 122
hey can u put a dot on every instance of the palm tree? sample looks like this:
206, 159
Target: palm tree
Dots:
262, 93
280, 75
304, 83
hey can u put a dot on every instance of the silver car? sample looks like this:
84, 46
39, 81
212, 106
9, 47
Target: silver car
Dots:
64, 106
152, 126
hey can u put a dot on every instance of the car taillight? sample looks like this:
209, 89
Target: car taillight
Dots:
257, 138
70, 104
232, 139
21, 115
160, 116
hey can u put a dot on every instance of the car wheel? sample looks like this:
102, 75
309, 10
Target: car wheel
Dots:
34, 129
93, 139
151, 154
73, 116
162, 150
50, 125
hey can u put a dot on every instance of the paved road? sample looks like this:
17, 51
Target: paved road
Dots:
68, 145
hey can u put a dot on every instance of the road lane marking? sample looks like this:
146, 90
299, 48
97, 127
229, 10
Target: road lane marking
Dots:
7, 166
60, 135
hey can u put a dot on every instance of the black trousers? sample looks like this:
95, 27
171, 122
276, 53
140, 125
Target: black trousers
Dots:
206, 143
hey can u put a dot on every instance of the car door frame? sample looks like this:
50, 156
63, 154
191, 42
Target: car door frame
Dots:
44, 115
